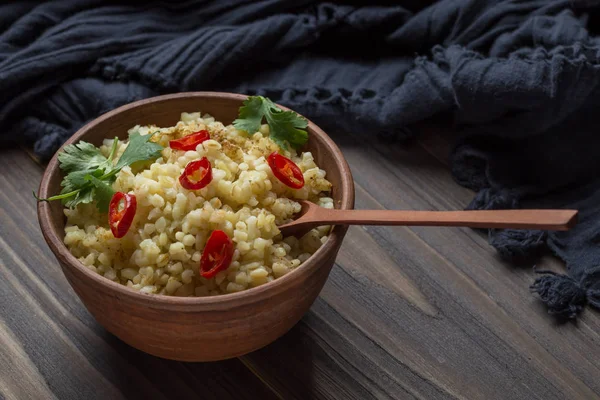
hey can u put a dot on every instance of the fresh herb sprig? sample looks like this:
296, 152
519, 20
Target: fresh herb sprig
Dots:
286, 128
90, 175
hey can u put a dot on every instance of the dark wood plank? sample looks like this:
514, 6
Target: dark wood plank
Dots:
50, 347
427, 313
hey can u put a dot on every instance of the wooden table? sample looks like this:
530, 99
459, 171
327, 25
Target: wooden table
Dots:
428, 313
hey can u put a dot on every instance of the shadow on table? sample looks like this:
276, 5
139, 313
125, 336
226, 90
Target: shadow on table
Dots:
284, 367
139, 375
287, 365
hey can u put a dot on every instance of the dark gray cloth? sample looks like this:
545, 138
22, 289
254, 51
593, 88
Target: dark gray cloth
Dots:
520, 78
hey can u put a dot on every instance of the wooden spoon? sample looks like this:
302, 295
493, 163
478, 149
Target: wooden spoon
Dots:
312, 216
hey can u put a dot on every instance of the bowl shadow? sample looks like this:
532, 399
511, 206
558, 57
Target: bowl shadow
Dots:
140, 375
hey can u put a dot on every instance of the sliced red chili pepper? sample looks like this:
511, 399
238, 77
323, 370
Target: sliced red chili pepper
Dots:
189, 142
121, 212
217, 254
197, 174
286, 170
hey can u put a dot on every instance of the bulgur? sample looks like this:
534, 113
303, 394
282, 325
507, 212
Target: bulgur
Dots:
161, 251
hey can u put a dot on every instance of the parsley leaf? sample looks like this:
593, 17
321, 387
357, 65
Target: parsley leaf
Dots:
139, 149
74, 180
250, 115
291, 124
85, 195
287, 128
90, 175
103, 193
82, 155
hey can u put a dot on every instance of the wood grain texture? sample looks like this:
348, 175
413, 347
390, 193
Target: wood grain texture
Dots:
407, 312
313, 216
51, 338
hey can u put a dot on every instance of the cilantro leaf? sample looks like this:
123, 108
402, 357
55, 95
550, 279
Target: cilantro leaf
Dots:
82, 155
103, 193
287, 128
139, 149
78, 186
76, 179
84, 196
287, 122
250, 115
89, 175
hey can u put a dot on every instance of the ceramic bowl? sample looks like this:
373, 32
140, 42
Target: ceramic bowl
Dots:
195, 328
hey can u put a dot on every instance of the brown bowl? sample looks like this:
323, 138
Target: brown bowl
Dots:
195, 328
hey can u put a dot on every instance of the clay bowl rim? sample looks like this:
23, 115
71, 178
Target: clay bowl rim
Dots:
192, 304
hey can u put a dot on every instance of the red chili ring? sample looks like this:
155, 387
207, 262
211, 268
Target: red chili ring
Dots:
197, 174
286, 170
217, 254
120, 219
189, 142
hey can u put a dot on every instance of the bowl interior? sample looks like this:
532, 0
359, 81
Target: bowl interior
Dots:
165, 111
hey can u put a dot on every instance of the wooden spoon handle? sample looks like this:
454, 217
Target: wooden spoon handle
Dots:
518, 219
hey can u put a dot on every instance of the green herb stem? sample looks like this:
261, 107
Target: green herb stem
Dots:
113, 149
58, 196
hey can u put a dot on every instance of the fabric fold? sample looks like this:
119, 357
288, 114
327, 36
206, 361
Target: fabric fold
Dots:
520, 78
